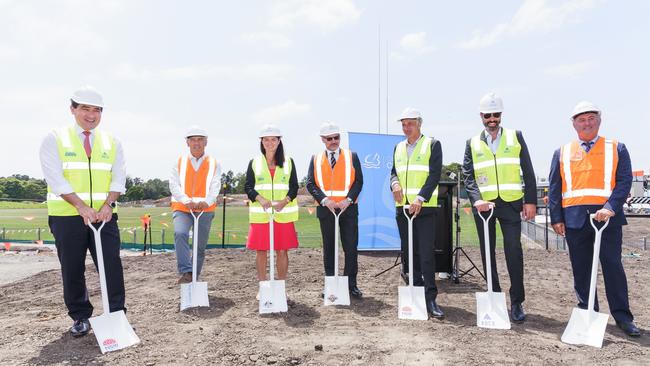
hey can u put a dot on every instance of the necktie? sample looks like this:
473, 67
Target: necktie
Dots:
588, 145
87, 143
332, 160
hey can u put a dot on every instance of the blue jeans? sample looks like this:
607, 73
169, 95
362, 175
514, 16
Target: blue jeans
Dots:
183, 223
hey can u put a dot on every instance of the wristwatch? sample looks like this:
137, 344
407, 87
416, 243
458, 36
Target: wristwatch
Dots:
110, 204
349, 200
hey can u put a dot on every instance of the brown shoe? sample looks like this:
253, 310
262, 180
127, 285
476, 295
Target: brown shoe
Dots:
185, 278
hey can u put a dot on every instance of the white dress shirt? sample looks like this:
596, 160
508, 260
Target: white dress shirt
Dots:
53, 168
175, 182
493, 144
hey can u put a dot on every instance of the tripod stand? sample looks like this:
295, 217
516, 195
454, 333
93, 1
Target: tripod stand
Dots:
457, 273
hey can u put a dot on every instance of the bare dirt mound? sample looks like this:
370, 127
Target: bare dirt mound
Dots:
33, 320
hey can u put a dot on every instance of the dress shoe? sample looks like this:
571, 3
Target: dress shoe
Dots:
80, 328
185, 278
434, 309
629, 328
355, 292
517, 313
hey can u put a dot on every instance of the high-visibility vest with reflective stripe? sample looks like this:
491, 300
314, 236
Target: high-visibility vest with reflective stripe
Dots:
90, 179
335, 183
273, 189
195, 184
413, 172
588, 178
498, 174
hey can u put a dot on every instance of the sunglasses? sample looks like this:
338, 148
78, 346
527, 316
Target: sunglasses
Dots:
333, 138
489, 115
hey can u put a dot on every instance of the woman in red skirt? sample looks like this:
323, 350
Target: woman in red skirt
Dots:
271, 180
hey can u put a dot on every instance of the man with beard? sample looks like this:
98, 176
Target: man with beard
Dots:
493, 162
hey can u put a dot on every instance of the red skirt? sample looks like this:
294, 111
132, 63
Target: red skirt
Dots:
284, 235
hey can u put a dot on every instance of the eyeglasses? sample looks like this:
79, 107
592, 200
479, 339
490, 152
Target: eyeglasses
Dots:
490, 115
333, 138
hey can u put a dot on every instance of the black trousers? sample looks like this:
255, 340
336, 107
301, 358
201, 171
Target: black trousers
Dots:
349, 233
73, 239
581, 252
508, 214
424, 265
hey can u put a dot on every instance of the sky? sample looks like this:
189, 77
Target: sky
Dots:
233, 66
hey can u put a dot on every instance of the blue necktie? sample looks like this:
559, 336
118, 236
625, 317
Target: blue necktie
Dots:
587, 145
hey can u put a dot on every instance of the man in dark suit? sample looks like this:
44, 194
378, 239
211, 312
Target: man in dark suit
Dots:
492, 166
335, 180
593, 175
417, 164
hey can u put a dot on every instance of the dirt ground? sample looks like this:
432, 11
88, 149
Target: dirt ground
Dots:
34, 324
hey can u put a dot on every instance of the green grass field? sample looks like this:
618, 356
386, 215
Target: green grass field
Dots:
29, 224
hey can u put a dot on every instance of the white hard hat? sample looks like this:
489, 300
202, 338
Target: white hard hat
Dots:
409, 112
89, 96
195, 130
584, 107
270, 130
329, 129
491, 103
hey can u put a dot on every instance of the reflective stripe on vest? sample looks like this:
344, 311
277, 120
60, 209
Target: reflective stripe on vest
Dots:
588, 178
498, 174
335, 183
195, 183
413, 172
273, 189
81, 173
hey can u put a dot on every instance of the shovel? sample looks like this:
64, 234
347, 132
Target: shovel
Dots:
588, 326
194, 294
273, 297
111, 329
411, 301
336, 287
491, 311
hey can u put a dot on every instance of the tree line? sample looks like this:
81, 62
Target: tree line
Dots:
20, 187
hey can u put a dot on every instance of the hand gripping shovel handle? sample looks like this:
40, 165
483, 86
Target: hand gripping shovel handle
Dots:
594, 262
100, 264
410, 219
487, 246
195, 244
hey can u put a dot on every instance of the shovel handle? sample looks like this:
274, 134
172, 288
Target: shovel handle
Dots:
593, 223
96, 229
405, 209
485, 220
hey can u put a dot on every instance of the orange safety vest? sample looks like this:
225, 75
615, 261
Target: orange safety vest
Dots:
588, 178
195, 184
335, 183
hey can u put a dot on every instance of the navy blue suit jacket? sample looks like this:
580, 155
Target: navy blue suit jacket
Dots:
574, 217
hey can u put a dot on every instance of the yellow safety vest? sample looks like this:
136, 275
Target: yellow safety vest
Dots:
90, 179
413, 172
498, 174
273, 189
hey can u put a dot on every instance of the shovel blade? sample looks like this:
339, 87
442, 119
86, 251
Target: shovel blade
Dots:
194, 294
585, 327
113, 331
491, 311
412, 304
336, 290
273, 297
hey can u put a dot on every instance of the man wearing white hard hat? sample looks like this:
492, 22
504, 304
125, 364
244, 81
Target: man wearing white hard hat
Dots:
335, 180
194, 185
593, 175
494, 162
417, 164
85, 173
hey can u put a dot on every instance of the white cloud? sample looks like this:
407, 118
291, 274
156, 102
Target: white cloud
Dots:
569, 70
281, 113
532, 16
416, 42
260, 72
275, 40
327, 15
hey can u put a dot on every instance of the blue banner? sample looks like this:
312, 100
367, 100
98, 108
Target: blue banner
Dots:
377, 226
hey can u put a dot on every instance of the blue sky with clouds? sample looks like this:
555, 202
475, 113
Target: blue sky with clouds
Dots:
233, 66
